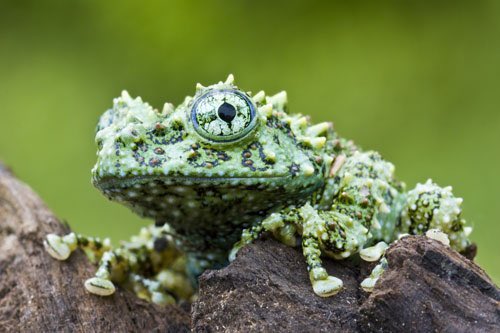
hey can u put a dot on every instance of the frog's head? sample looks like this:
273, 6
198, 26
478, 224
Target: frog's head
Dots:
222, 155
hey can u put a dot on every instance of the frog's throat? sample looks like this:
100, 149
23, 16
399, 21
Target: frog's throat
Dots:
207, 215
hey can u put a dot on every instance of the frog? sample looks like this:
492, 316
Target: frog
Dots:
225, 167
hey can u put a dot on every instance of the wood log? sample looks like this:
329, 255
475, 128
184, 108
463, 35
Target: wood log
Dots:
428, 287
40, 294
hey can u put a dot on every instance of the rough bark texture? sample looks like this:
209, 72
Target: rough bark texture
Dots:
427, 288
40, 294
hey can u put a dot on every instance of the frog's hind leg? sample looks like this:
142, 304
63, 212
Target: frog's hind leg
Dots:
430, 210
434, 211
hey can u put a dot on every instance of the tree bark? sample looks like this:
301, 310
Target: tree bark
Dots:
40, 294
427, 288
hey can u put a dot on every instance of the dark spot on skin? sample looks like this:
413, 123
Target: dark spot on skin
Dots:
159, 129
209, 165
159, 151
342, 233
294, 169
138, 158
177, 138
248, 163
263, 156
154, 162
332, 225
195, 146
247, 154
142, 146
117, 148
226, 112
160, 244
221, 155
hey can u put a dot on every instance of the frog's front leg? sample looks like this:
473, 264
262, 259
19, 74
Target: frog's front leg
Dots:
149, 264
314, 227
283, 226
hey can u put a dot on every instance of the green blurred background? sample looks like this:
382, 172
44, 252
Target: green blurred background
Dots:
418, 81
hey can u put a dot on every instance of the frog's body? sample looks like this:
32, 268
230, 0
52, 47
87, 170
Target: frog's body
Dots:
224, 164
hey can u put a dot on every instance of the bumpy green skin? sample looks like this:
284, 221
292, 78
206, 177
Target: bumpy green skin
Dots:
207, 179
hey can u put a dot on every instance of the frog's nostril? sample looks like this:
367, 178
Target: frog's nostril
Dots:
226, 112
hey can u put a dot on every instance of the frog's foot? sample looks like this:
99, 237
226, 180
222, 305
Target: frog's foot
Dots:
112, 263
369, 283
373, 253
324, 285
61, 247
58, 247
100, 286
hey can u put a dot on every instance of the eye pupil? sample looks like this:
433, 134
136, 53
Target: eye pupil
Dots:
226, 112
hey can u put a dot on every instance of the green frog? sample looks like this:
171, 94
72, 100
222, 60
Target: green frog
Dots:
226, 166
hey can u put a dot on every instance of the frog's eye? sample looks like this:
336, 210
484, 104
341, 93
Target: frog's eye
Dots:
223, 115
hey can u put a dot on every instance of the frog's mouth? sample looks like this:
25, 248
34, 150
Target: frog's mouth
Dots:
106, 183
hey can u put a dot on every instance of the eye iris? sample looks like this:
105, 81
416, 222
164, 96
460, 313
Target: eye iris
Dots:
223, 115
226, 112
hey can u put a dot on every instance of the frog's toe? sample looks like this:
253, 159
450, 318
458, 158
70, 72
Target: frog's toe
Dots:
373, 253
56, 247
369, 283
100, 286
327, 287
438, 235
